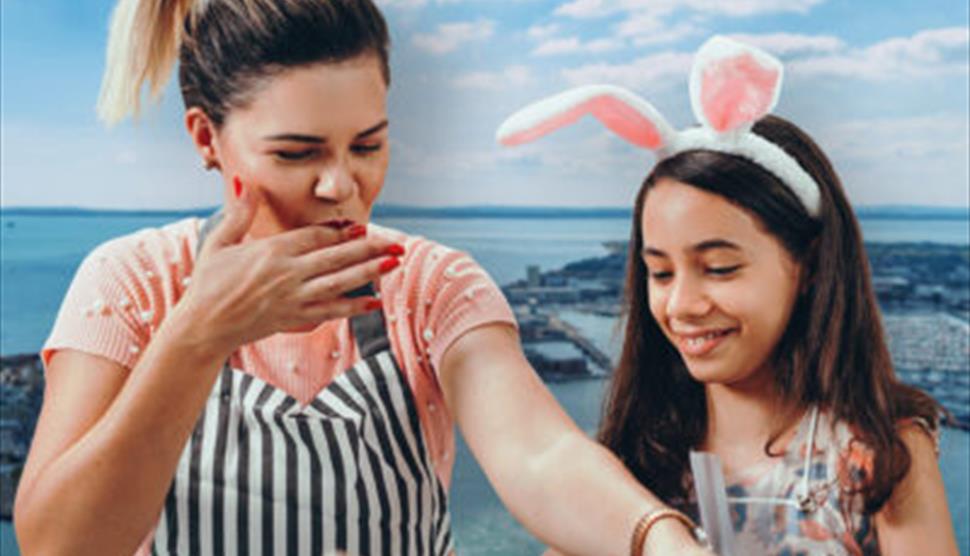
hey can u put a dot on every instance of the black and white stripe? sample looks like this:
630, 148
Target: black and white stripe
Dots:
349, 472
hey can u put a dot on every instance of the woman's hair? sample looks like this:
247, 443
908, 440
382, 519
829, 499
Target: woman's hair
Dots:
225, 48
832, 354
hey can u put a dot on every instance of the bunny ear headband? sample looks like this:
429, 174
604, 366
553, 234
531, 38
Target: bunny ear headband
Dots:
732, 85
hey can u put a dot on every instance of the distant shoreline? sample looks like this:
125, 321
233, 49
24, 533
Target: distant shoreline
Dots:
404, 211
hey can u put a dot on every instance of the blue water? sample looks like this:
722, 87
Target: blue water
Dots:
39, 255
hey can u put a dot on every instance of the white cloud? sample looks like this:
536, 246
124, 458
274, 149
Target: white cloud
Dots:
783, 44
585, 8
881, 139
512, 76
642, 27
648, 72
665, 34
572, 45
927, 53
413, 4
542, 32
126, 156
739, 8
401, 3
449, 36
650, 22
582, 9
910, 160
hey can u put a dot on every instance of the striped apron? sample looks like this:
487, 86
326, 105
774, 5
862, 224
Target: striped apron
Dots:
349, 473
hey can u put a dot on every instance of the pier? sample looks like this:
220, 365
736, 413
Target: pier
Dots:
584, 344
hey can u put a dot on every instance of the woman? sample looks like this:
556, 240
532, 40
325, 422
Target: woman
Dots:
753, 331
240, 386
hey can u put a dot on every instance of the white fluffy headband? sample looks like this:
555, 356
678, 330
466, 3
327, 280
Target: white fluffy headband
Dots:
732, 85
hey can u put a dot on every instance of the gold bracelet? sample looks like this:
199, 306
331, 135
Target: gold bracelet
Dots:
649, 519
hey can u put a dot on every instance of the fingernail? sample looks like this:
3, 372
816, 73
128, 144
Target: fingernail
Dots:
389, 264
237, 186
395, 250
373, 305
356, 231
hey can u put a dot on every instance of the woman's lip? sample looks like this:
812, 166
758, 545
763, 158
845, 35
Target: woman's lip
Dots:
699, 345
337, 223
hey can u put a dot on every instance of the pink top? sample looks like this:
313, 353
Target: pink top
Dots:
125, 287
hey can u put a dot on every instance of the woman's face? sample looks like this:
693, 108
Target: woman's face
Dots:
313, 140
720, 287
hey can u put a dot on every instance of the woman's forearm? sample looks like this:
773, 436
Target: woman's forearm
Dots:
578, 498
103, 494
565, 488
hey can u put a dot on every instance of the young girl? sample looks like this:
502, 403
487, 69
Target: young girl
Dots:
752, 329
238, 387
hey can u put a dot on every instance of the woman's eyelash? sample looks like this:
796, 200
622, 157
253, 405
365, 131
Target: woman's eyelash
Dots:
296, 156
367, 148
291, 156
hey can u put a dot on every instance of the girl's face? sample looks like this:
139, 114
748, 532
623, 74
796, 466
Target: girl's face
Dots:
313, 140
720, 287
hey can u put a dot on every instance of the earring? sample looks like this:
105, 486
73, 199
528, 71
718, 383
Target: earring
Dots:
208, 163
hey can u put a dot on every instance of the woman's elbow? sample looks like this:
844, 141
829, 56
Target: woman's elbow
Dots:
26, 526
32, 527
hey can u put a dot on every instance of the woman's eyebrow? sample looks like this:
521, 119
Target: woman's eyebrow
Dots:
317, 140
372, 130
296, 137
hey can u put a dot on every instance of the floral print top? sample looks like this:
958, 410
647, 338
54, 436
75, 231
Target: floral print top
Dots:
775, 514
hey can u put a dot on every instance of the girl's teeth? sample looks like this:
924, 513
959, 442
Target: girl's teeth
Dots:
695, 342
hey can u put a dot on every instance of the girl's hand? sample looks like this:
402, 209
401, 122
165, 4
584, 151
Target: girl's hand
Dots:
289, 282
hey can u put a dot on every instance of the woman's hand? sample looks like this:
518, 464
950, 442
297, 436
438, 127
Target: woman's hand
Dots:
290, 282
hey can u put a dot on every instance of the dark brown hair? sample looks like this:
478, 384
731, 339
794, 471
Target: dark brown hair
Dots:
225, 48
832, 354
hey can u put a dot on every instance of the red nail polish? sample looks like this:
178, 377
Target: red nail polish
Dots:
395, 250
373, 305
356, 231
389, 264
237, 186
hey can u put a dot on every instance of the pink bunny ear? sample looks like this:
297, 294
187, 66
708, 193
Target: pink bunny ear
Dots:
732, 85
620, 110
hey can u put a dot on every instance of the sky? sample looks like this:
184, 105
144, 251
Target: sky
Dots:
882, 85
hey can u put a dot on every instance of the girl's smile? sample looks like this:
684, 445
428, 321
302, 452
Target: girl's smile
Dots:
703, 342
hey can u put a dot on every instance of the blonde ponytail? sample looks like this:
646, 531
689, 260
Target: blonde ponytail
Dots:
143, 43
226, 47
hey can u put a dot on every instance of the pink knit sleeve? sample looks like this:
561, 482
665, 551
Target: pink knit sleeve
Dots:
467, 297
447, 294
120, 293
